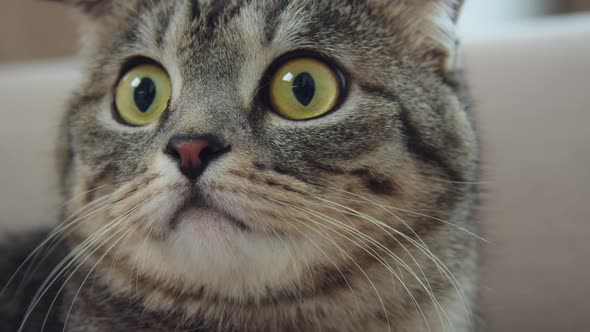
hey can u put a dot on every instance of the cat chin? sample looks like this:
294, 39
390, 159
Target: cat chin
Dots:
206, 249
206, 224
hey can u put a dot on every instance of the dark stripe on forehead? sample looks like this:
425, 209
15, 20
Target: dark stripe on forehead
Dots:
164, 16
128, 35
213, 17
194, 10
273, 19
220, 11
414, 140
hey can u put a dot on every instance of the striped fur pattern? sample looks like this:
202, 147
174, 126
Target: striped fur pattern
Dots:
358, 220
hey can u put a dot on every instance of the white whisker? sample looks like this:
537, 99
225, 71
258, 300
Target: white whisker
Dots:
50, 238
331, 261
423, 247
66, 264
356, 264
130, 232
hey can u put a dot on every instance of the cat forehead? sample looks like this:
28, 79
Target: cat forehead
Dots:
414, 28
203, 24
220, 36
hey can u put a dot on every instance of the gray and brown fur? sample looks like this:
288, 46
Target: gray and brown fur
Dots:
361, 220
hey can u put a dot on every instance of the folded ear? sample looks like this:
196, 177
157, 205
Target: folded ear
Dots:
442, 34
99, 20
429, 29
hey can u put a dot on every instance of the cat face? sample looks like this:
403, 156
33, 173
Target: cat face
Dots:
257, 148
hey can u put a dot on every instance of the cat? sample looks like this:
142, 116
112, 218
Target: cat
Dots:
268, 165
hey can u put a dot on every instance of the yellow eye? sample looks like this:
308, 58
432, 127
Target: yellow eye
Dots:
143, 94
304, 88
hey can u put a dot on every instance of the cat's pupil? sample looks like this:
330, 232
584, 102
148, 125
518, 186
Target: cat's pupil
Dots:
144, 94
304, 88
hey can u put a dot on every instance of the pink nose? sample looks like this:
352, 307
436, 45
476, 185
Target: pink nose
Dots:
190, 152
194, 155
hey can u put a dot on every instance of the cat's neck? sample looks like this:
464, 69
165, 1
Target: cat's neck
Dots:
99, 308
110, 308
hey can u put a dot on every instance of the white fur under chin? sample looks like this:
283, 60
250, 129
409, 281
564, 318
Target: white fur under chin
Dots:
207, 249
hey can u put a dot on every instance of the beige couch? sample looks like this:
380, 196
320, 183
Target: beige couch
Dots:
532, 91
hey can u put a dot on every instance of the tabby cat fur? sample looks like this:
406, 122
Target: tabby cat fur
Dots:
359, 220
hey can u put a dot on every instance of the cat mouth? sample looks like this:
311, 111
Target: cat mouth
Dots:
196, 205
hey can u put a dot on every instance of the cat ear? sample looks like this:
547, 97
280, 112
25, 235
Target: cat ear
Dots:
456, 7
98, 20
440, 42
429, 28
440, 45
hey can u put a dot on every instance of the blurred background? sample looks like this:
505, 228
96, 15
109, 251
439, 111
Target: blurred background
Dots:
33, 29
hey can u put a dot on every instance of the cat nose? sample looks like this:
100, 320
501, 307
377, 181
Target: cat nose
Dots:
195, 154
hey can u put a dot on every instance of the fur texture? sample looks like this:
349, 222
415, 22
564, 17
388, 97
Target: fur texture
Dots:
358, 220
